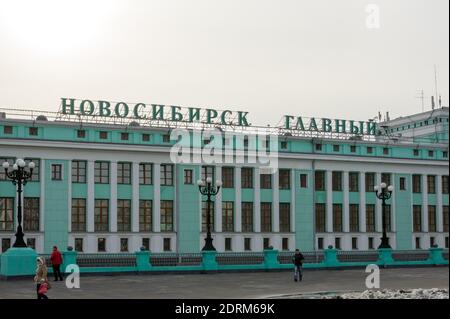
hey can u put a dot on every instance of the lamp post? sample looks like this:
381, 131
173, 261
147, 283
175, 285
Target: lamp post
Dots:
384, 192
19, 177
208, 189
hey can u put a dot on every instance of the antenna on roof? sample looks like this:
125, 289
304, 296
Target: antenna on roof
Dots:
435, 83
422, 97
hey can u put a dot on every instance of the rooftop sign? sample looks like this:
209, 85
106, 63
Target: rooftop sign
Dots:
158, 112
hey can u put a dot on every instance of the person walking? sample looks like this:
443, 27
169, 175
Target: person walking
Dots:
56, 259
298, 265
41, 278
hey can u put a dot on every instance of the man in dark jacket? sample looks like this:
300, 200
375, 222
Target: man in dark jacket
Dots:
56, 259
298, 263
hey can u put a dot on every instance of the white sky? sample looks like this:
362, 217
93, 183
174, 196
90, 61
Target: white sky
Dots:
268, 57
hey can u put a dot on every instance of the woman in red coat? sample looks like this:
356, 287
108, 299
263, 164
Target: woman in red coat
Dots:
56, 259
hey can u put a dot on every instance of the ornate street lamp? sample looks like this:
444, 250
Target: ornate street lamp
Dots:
19, 177
208, 189
384, 192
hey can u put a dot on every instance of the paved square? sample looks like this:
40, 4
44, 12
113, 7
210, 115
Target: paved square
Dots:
230, 285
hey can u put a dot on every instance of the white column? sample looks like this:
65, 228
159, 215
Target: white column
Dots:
292, 217
362, 202
276, 203
257, 203
346, 207
69, 196
135, 200
378, 208
218, 204
393, 204
43, 177
329, 190
156, 200
424, 185
113, 198
90, 202
439, 212
238, 200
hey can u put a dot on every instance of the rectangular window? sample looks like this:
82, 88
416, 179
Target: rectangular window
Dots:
446, 242
247, 244
6, 244
445, 154
145, 173
418, 246
204, 215
355, 243
79, 171
337, 181
167, 244
445, 218
416, 181
101, 213
353, 148
79, 245
445, 184
320, 243
432, 241
245, 142
266, 217
81, 133
369, 150
145, 137
417, 218
188, 174
7, 129
285, 244
124, 136
11, 162
284, 145
123, 173
370, 218
78, 215
146, 243
337, 243
318, 147
123, 215
303, 180
31, 243
266, 243
353, 182
337, 218
208, 171
31, 214
145, 215
432, 218
36, 171
319, 180
371, 246
416, 152
123, 245
228, 244
431, 183
56, 172
33, 131
388, 218
336, 148
385, 151
354, 218
402, 183
247, 216
320, 218
284, 178
370, 182
7, 214
166, 174
285, 217
166, 138
266, 181
227, 177
228, 216
386, 178
166, 215
430, 153
103, 135
101, 245
247, 177
101, 172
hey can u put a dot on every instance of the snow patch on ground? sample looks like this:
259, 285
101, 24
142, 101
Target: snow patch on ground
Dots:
433, 293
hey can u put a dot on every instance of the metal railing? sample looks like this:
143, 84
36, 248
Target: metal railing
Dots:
445, 254
410, 255
247, 258
176, 259
106, 260
357, 256
311, 257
